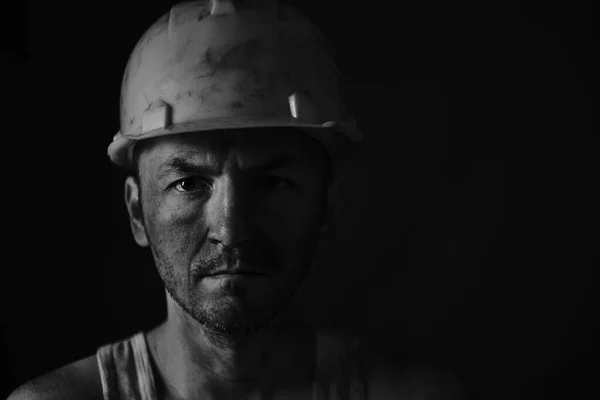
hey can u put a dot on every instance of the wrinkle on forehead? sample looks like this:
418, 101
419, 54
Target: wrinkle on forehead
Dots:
215, 148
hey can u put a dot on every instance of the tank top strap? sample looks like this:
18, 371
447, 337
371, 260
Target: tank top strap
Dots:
340, 369
125, 370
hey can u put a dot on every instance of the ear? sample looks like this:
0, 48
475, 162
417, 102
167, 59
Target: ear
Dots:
334, 206
134, 207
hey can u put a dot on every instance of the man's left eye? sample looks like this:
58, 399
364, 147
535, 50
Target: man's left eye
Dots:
273, 182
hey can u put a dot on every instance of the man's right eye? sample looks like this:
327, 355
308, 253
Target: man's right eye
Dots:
190, 184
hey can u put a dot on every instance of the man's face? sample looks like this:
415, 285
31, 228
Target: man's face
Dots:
218, 202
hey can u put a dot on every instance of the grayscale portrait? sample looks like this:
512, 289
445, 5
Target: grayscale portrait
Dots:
289, 200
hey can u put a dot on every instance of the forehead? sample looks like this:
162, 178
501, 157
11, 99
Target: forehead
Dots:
214, 147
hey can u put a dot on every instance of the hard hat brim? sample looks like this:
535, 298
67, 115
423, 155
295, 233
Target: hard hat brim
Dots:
120, 150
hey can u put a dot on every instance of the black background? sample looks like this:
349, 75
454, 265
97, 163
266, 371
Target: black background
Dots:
465, 245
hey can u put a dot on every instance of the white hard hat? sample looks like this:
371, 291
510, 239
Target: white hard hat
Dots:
210, 65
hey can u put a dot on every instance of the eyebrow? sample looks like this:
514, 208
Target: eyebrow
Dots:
279, 162
183, 165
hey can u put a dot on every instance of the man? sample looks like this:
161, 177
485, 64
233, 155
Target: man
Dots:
233, 128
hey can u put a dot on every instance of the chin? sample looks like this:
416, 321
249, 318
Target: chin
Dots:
232, 324
232, 316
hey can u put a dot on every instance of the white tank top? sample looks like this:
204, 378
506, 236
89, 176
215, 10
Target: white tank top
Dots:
126, 373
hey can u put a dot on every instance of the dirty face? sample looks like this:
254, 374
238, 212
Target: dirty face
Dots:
233, 220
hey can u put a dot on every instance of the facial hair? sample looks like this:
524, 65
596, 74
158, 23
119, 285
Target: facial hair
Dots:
224, 323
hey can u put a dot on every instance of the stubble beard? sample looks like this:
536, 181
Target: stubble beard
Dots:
224, 323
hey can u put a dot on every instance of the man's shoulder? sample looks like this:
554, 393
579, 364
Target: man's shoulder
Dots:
77, 380
412, 382
389, 377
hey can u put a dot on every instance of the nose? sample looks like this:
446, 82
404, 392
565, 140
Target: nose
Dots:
227, 213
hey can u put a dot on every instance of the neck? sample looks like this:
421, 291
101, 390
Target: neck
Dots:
192, 362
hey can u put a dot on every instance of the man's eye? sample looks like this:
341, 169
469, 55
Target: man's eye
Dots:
191, 184
273, 182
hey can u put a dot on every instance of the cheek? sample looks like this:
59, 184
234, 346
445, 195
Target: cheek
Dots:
295, 232
293, 213
175, 229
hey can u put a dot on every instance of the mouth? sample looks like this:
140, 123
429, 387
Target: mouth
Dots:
237, 277
241, 273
